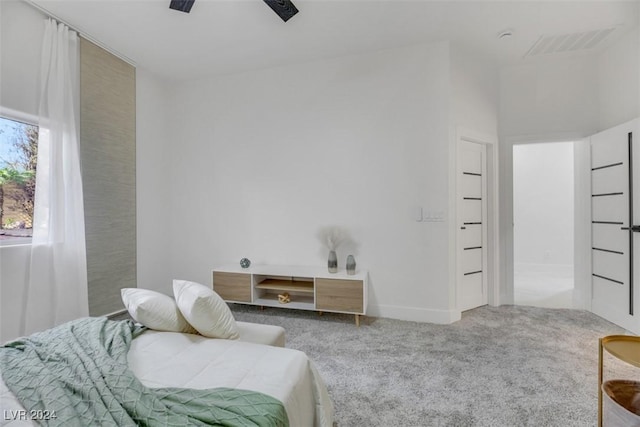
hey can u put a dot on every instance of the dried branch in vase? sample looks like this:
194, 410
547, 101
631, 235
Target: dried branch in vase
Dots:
332, 237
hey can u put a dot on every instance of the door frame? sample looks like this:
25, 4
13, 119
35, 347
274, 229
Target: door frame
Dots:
492, 248
582, 214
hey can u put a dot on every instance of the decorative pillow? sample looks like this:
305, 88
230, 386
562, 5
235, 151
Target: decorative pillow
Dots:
155, 310
205, 310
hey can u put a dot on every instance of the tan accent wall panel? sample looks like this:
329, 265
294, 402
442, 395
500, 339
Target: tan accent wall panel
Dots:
339, 295
232, 286
108, 155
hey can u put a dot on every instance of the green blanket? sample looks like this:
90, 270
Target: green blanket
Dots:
77, 373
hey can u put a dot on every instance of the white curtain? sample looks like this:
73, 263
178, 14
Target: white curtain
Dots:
57, 287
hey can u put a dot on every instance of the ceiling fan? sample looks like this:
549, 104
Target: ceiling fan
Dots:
283, 8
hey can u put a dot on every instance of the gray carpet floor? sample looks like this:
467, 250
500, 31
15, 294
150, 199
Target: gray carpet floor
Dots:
498, 366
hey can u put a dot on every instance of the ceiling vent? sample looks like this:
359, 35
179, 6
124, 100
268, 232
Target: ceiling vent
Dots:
571, 42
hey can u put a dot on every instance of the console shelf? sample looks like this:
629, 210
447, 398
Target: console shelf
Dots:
271, 300
309, 288
286, 285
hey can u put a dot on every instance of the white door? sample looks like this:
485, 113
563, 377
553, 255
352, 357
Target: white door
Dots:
612, 216
472, 225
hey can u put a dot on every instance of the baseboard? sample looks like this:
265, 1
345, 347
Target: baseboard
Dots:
415, 314
566, 269
613, 315
579, 301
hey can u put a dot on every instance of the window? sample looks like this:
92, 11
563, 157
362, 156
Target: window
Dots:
18, 157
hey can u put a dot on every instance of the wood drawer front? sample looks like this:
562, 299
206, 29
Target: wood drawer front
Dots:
232, 286
339, 295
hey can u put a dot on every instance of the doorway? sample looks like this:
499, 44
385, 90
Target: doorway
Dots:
543, 224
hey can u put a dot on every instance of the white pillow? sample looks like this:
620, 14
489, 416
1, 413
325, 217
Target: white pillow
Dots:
155, 310
205, 310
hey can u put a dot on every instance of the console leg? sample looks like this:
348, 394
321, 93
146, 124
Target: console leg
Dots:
357, 320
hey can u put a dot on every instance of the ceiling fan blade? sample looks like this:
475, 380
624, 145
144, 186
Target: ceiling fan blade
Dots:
284, 8
181, 5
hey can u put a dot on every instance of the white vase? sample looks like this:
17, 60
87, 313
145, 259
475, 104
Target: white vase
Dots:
332, 263
351, 265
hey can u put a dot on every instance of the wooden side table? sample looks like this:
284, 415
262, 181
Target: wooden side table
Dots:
623, 347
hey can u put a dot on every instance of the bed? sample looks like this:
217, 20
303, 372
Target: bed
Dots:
171, 359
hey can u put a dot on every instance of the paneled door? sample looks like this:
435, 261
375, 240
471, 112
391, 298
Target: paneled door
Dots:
614, 293
472, 225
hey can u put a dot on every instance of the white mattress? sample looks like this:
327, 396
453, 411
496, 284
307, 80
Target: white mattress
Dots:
170, 359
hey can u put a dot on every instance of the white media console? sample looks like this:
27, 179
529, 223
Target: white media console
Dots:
308, 288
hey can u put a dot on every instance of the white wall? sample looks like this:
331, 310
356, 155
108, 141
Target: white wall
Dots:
262, 160
543, 203
153, 179
474, 88
21, 35
619, 82
21, 32
556, 97
14, 270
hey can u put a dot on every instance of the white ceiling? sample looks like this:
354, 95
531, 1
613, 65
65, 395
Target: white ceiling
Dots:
227, 36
